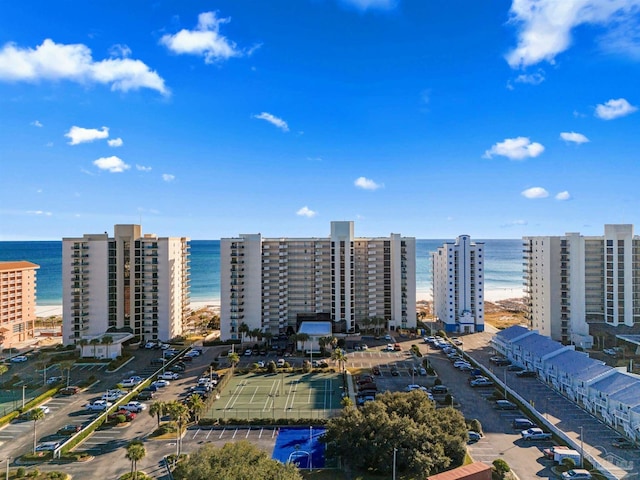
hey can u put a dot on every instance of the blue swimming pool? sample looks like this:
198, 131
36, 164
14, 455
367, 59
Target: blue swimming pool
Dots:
300, 446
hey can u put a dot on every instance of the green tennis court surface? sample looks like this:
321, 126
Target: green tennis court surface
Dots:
280, 395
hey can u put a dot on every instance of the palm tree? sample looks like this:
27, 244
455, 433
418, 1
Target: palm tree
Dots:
234, 358
82, 342
243, 329
94, 342
323, 342
304, 338
157, 409
35, 415
267, 336
180, 414
255, 333
67, 365
135, 453
107, 340
196, 405
339, 356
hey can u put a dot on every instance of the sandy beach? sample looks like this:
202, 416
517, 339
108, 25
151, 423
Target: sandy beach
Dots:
494, 295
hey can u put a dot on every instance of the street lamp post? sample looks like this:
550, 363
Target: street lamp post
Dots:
395, 450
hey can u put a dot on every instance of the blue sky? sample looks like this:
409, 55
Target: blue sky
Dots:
428, 118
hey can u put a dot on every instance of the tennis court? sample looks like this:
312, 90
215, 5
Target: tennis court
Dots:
280, 395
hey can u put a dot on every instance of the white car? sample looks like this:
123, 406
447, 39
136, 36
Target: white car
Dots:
44, 409
149, 345
165, 346
260, 364
47, 446
461, 363
168, 376
112, 395
280, 363
364, 346
412, 387
161, 383
19, 359
248, 352
98, 405
136, 407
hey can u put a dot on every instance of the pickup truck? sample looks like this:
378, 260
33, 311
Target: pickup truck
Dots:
98, 405
135, 407
535, 434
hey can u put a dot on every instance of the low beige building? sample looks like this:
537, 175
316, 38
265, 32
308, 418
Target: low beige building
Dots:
17, 302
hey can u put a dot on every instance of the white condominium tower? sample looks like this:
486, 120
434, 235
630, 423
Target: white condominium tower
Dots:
458, 285
272, 284
125, 283
579, 287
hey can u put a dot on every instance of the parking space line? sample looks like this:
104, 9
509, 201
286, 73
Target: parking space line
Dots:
195, 434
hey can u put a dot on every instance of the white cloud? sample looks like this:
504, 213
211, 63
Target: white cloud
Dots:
531, 78
514, 223
115, 142
306, 212
372, 4
36, 123
563, 196
73, 62
120, 51
79, 135
573, 137
39, 213
205, 40
272, 119
614, 108
142, 168
167, 177
535, 192
367, 184
545, 25
111, 164
515, 149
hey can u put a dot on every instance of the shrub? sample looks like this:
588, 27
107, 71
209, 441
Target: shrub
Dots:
272, 367
437, 382
20, 473
501, 467
475, 425
306, 366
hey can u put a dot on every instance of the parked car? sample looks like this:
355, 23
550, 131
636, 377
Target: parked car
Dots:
52, 380
535, 434
422, 372
145, 395
500, 361
248, 352
551, 451
130, 382
161, 383
623, 443
527, 374
280, 363
397, 347
134, 406
70, 390
473, 436
394, 371
150, 388
168, 376
69, 429
439, 390
523, 424
505, 405
98, 405
47, 446
481, 382
128, 416
150, 345
461, 363
44, 409
515, 368
388, 348
19, 359
112, 395
375, 370
577, 474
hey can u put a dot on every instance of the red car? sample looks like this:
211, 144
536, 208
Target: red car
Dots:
128, 416
71, 390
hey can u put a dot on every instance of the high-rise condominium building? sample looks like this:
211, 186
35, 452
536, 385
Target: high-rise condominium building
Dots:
272, 284
458, 285
17, 301
126, 283
579, 287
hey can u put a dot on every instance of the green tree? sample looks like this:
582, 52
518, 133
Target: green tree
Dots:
339, 355
157, 409
3, 369
107, 340
35, 415
501, 467
135, 453
67, 365
180, 414
568, 463
427, 441
243, 329
238, 460
196, 405
304, 338
95, 342
234, 358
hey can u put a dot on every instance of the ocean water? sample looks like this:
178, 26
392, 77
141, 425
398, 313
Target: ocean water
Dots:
503, 268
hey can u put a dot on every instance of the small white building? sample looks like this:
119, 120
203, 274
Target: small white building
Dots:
315, 330
95, 346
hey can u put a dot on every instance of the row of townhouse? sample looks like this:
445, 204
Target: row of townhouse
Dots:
610, 393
